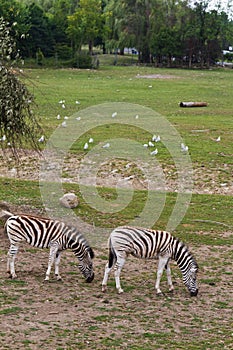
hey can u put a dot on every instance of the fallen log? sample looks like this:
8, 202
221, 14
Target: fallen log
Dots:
193, 104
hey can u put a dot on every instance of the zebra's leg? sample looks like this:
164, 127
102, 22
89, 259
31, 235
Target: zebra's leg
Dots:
57, 261
11, 260
106, 275
161, 264
118, 267
169, 276
52, 254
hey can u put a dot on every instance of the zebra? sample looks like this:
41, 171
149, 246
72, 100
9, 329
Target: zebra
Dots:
47, 233
147, 243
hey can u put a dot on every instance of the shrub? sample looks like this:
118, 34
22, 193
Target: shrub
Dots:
82, 60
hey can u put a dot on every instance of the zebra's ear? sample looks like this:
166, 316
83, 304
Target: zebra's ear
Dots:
193, 269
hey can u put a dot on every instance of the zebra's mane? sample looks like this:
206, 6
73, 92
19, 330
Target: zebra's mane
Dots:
78, 234
185, 248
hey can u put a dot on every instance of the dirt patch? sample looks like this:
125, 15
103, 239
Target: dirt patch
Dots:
112, 173
157, 76
71, 314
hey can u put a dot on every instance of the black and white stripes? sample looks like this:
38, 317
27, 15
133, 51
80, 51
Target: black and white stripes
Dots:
145, 243
123, 241
46, 233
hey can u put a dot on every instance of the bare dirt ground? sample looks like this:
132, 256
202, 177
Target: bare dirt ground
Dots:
30, 166
71, 314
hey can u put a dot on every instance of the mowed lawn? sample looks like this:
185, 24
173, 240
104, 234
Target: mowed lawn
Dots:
72, 315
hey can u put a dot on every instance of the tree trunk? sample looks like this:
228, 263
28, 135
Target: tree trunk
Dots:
90, 47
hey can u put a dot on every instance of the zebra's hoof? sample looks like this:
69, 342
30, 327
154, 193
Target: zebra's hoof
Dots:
104, 288
159, 294
58, 277
120, 291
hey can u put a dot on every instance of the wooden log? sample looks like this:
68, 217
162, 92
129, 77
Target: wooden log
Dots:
193, 104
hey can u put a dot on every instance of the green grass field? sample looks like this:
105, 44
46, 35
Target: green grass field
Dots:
72, 315
199, 127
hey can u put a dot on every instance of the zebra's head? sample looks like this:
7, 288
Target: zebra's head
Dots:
86, 265
190, 279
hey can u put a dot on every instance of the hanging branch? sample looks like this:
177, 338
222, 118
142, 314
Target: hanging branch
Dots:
19, 127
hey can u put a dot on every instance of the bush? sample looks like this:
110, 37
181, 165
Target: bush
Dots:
63, 51
82, 61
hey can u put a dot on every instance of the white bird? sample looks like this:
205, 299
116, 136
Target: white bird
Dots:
66, 117
77, 102
62, 101
153, 153
107, 145
184, 148
150, 86
41, 139
78, 118
136, 116
63, 105
63, 124
145, 145
85, 146
156, 138
4, 138
150, 144
58, 116
218, 139
91, 140
13, 172
114, 114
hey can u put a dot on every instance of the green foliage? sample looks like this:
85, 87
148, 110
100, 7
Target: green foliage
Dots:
171, 33
82, 60
18, 124
228, 57
85, 24
40, 32
63, 51
39, 57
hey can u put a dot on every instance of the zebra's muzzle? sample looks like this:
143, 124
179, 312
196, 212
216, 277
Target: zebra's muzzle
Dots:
194, 294
90, 278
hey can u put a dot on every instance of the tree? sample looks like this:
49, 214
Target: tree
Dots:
15, 13
130, 25
18, 124
86, 24
40, 34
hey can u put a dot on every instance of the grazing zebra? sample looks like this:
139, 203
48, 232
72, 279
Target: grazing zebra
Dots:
46, 233
145, 243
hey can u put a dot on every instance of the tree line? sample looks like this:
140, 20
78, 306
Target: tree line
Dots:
171, 32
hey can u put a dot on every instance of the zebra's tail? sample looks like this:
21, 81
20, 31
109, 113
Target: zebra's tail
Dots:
112, 255
5, 214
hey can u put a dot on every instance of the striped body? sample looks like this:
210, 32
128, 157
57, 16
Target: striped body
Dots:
52, 234
150, 244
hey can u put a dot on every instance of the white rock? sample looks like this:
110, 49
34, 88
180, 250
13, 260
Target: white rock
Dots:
69, 200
